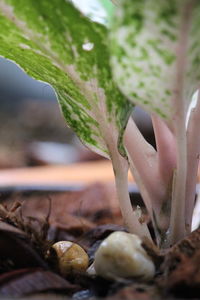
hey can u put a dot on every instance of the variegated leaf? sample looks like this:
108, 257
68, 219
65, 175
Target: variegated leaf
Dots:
93, 9
155, 49
53, 42
109, 6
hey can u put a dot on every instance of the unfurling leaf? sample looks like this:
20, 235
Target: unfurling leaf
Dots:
53, 42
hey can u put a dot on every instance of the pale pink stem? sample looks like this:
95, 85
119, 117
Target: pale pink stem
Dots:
142, 188
120, 167
177, 218
177, 228
166, 149
193, 147
145, 163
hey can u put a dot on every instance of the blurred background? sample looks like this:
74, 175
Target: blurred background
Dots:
32, 129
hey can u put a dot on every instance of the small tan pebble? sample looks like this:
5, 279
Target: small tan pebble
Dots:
71, 257
121, 255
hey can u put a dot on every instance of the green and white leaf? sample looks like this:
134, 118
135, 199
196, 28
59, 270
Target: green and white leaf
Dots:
155, 49
53, 42
93, 9
109, 7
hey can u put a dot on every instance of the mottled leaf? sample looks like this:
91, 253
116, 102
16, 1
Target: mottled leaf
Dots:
109, 6
155, 48
93, 9
53, 42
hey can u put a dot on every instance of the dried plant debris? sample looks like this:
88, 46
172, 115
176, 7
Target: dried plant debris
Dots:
16, 250
30, 225
32, 281
137, 291
72, 213
34, 228
181, 267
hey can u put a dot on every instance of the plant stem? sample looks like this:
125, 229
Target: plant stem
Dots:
120, 167
144, 159
142, 189
193, 147
177, 228
177, 219
166, 149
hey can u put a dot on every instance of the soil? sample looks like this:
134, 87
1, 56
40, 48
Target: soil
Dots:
30, 222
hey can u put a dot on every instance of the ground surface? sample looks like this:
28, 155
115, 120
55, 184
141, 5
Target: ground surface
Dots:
31, 222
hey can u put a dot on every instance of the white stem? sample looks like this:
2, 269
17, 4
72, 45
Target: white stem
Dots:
120, 167
193, 146
177, 219
177, 222
196, 214
166, 149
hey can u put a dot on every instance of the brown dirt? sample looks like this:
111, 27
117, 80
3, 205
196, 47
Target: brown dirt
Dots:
31, 222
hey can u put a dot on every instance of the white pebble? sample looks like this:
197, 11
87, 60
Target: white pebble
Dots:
121, 255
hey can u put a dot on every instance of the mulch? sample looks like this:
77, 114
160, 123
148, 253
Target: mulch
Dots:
30, 222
